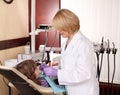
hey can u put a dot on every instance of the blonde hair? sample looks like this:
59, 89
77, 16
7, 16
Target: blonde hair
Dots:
66, 20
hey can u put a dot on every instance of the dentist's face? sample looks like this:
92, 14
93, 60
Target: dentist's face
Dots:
64, 34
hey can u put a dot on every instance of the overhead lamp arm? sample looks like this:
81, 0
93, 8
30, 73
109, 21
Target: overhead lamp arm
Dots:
41, 28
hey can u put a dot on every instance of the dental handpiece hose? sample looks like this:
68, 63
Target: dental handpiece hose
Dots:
114, 51
102, 52
108, 53
101, 61
98, 72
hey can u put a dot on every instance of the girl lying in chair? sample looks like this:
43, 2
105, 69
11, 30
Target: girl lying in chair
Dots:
30, 69
34, 72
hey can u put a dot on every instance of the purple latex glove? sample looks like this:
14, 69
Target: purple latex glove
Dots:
42, 66
50, 71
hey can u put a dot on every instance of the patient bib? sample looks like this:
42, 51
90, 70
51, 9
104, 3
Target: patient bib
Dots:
56, 88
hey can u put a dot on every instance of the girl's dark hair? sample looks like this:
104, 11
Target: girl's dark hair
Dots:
27, 68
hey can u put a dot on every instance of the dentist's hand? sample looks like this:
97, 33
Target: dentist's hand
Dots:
50, 71
42, 66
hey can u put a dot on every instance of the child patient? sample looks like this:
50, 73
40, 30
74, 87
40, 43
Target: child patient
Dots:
30, 69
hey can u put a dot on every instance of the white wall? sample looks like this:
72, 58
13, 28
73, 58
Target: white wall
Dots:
99, 18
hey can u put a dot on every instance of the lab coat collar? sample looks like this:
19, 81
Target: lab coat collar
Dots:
73, 42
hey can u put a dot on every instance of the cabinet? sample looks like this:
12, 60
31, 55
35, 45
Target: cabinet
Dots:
45, 10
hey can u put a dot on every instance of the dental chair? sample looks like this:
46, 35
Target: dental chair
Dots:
24, 85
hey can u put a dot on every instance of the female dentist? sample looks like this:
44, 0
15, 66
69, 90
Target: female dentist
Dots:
78, 64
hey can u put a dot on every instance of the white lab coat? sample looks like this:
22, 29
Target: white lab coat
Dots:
78, 67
